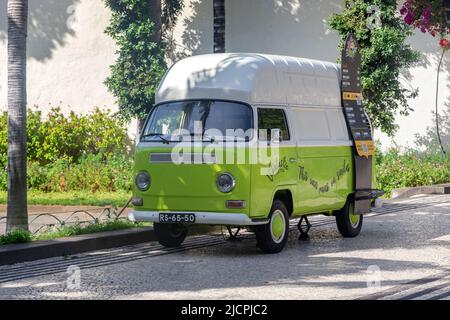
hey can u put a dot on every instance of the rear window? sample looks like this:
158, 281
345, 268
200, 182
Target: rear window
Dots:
269, 119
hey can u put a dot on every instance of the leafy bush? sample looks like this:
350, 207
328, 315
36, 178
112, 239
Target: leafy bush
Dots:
91, 173
59, 136
19, 236
73, 152
411, 169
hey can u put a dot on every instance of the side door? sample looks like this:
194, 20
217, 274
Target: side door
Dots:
267, 178
324, 159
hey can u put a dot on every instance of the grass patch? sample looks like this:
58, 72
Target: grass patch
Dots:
69, 231
75, 198
18, 236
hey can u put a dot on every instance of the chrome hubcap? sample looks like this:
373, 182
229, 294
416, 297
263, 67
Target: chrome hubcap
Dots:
277, 226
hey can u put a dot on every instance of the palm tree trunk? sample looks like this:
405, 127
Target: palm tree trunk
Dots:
17, 215
219, 26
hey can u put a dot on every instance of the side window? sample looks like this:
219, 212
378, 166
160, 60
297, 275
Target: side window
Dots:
312, 125
269, 119
338, 127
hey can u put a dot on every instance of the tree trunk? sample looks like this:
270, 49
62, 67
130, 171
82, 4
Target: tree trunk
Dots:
17, 215
155, 7
156, 17
219, 26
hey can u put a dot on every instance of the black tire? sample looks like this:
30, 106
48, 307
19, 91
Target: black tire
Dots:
273, 241
348, 225
170, 235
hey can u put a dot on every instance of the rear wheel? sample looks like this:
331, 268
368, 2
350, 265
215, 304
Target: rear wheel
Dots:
272, 237
349, 224
170, 235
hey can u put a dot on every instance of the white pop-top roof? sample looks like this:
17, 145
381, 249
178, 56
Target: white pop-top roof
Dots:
254, 79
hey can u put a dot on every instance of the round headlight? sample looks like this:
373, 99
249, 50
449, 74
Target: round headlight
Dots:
143, 181
226, 182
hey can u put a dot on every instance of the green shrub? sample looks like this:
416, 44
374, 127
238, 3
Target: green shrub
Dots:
73, 152
91, 173
18, 236
411, 169
21, 236
70, 137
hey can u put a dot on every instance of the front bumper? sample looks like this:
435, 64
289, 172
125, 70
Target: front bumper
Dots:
209, 218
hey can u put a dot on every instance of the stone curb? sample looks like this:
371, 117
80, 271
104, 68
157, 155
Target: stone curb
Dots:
16, 253
404, 193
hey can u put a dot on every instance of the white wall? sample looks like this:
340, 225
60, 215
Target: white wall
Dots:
68, 54
68, 64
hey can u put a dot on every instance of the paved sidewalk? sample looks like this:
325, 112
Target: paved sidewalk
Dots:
403, 252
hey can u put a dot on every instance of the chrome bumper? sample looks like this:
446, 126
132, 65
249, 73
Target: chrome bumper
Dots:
209, 218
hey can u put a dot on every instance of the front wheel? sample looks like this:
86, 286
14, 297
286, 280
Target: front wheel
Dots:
349, 224
272, 237
170, 235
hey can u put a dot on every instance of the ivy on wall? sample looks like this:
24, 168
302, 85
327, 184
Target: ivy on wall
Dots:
142, 31
384, 56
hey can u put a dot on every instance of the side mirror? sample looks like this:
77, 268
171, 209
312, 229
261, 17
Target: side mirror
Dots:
275, 136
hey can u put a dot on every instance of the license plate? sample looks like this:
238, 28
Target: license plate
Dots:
177, 217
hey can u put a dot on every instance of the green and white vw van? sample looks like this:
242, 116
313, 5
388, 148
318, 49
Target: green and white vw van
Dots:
267, 141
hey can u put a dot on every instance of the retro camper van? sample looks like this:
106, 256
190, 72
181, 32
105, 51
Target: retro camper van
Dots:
241, 106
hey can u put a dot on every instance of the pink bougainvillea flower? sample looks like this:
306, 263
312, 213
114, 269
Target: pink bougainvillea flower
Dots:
444, 43
409, 19
426, 16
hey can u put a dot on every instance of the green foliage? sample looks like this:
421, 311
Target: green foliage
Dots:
397, 169
91, 173
74, 152
18, 236
385, 55
59, 136
21, 236
140, 63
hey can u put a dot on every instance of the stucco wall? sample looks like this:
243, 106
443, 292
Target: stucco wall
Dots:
69, 54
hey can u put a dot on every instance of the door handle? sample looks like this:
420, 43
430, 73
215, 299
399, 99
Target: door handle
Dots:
293, 160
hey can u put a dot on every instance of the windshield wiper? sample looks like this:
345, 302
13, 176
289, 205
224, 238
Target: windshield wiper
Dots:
205, 138
159, 135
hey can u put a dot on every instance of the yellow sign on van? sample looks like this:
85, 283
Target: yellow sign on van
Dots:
354, 96
365, 148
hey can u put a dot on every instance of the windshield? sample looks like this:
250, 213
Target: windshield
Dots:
212, 120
